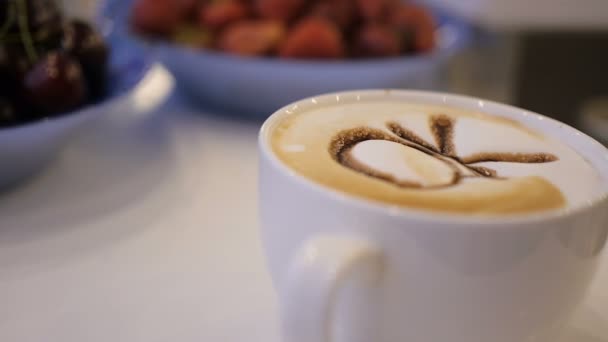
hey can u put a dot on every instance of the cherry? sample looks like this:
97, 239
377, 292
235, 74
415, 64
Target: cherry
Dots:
6, 71
13, 66
8, 115
55, 84
4, 11
85, 44
45, 21
252, 38
42, 13
314, 38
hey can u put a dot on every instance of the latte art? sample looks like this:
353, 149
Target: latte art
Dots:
433, 158
407, 160
399, 164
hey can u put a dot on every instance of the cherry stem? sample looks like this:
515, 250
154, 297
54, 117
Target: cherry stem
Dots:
9, 21
26, 36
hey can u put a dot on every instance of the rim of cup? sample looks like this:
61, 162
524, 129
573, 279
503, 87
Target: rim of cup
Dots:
591, 150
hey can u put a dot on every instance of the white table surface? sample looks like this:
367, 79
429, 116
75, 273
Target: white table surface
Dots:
144, 230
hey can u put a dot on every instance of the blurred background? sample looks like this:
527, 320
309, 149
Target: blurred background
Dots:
549, 56
130, 233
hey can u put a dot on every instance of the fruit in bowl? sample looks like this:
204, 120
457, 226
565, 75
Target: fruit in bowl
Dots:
291, 29
49, 65
251, 57
55, 75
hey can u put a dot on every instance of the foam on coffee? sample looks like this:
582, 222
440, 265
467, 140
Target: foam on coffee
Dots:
434, 158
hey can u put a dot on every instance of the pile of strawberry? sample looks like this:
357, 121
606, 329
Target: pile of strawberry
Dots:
303, 29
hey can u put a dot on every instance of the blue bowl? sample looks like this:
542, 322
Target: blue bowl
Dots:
259, 86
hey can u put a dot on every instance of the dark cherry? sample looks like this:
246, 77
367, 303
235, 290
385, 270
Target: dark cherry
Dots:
85, 44
48, 38
7, 10
40, 13
55, 84
44, 22
8, 114
14, 60
13, 66
4, 9
6, 72
48, 25
43, 13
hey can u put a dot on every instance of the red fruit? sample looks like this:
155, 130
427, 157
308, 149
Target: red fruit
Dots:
220, 14
85, 44
313, 38
373, 10
252, 38
418, 21
55, 84
158, 17
340, 12
283, 10
188, 8
376, 40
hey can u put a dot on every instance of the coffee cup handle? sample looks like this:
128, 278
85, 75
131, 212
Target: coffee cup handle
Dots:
320, 270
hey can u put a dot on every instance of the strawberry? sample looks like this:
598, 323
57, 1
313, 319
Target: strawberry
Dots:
410, 19
158, 17
283, 10
188, 8
252, 38
313, 38
219, 14
376, 40
340, 12
373, 10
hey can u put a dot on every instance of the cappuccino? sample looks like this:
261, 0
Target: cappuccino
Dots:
433, 157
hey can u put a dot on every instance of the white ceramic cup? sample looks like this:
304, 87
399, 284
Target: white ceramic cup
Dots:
351, 270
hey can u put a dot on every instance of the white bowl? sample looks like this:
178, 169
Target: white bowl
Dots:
259, 86
25, 149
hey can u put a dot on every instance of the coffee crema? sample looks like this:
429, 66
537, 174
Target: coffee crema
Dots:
433, 158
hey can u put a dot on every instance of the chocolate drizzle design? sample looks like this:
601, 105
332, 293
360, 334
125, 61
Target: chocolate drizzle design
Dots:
442, 129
